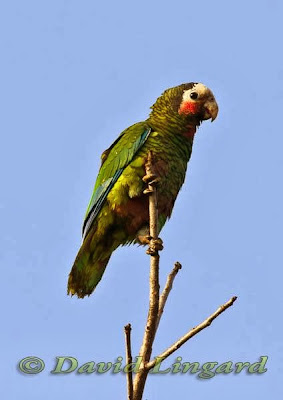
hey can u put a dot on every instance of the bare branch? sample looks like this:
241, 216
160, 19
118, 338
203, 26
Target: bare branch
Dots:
127, 330
167, 289
150, 329
191, 333
156, 304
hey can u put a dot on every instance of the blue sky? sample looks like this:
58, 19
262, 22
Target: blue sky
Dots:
74, 74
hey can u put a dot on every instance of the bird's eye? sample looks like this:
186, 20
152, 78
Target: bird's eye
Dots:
194, 95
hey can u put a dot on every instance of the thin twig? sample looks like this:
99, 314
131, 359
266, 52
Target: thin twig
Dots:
127, 330
191, 333
150, 329
167, 289
165, 293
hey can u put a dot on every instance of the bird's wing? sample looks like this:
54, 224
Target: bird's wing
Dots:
114, 160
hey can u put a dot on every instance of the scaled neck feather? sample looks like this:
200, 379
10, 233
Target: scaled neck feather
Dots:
165, 117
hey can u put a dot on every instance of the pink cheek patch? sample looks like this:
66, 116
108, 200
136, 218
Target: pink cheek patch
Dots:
188, 107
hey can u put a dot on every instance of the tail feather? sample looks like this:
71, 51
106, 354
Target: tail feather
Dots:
83, 284
89, 266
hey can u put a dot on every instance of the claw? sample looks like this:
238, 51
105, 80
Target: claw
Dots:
149, 178
158, 244
155, 246
152, 183
147, 191
155, 181
151, 252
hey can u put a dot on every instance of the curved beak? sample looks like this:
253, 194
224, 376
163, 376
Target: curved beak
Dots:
211, 109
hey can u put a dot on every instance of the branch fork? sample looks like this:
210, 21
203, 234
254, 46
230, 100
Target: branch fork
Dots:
156, 302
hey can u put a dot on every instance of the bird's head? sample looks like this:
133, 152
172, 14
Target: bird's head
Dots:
184, 106
198, 101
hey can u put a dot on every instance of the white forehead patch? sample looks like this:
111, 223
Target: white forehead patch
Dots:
199, 88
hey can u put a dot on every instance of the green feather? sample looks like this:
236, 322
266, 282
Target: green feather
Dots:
115, 159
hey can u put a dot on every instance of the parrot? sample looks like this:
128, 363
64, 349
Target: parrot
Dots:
118, 212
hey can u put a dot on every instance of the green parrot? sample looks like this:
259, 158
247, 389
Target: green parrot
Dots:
117, 213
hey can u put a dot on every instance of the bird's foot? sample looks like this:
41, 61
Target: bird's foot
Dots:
150, 189
150, 178
155, 245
